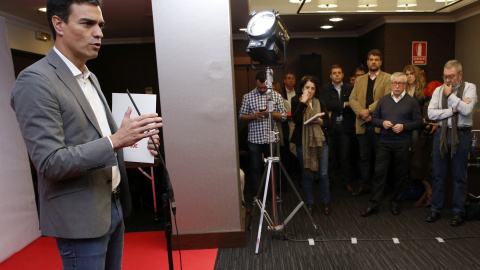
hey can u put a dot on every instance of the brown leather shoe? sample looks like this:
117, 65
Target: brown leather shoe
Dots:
310, 209
327, 209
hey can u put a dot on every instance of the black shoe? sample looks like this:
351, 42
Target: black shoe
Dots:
395, 210
368, 212
457, 220
359, 192
433, 216
310, 209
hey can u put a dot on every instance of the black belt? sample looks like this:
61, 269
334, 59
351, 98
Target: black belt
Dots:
460, 128
116, 194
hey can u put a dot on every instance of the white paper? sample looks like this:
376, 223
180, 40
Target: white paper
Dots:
316, 116
145, 104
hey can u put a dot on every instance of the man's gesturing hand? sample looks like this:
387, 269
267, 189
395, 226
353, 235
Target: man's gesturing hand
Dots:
134, 129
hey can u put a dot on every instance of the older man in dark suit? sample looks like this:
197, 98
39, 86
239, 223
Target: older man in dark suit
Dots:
74, 142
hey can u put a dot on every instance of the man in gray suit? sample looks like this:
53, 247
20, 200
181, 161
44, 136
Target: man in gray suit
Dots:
74, 143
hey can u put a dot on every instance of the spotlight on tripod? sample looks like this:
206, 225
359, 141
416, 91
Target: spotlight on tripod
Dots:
267, 38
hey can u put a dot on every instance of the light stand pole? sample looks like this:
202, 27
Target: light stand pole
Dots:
267, 37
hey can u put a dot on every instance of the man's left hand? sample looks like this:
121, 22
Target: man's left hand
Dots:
397, 128
151, 147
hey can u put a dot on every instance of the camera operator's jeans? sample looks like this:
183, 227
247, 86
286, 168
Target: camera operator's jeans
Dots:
257, 164
307, 182
459, 164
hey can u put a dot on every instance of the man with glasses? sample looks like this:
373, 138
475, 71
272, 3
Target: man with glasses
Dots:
397, 114
368, 89
452, 106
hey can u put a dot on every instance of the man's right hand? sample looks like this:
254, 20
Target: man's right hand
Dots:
134, 129
364, 114
387, 124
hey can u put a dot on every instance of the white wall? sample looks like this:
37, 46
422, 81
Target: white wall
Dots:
467, 40
21, 35
195, 71
19, 221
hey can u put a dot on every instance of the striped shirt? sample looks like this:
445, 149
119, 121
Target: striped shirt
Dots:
253, 102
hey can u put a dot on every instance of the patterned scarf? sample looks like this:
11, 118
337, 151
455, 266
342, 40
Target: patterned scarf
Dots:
312, 140
443, 135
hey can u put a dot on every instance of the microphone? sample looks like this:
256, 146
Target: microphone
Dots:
166, 175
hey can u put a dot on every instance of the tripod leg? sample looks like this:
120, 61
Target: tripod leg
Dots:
252, 214
297, 194
263, 207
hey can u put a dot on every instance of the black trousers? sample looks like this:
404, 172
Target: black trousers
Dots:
387, 152
367, 149
340, 148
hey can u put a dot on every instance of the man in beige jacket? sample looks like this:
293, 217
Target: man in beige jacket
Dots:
368, 89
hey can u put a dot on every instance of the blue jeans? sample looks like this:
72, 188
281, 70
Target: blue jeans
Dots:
459, 170
307, 182
100, 253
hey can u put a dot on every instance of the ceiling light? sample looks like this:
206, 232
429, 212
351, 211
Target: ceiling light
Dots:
326, 26
367, 3
243, 29
406, 3
267, 37
299, 1
327, 4
337, 19
444, 1
43, 9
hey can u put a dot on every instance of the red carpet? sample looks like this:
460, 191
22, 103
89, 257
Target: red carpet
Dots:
144, 250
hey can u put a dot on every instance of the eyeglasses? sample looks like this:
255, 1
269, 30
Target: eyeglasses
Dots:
450, 77
397, 83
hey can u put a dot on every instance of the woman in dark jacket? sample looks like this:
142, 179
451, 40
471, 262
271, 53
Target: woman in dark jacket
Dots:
311, 140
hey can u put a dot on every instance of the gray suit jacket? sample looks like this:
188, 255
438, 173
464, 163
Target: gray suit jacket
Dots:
64, 141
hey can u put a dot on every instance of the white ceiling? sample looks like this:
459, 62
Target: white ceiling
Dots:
132, 19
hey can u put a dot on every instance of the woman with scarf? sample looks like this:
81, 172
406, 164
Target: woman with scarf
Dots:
311, 140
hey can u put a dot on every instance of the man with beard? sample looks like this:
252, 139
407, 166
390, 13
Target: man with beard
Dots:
368, 89
397, 114
255, 112
452, 106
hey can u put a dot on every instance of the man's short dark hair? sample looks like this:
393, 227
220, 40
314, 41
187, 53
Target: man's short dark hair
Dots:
375, 52
336, 66
61, 8
289, 72
260, 77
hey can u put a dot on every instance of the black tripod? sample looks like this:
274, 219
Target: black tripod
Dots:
273, 225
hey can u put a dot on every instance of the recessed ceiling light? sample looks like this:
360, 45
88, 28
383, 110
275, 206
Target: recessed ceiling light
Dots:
326, 26
299, 1
336, 19
43, 9
243, 29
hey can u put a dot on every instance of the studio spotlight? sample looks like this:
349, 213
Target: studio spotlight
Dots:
267, 35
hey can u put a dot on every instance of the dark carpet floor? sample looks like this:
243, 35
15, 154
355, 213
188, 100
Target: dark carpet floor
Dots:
417, 247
